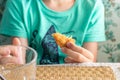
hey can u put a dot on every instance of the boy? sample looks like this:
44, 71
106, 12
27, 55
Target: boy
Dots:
32, 23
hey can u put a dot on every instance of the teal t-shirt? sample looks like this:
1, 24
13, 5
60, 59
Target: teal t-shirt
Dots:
33, 20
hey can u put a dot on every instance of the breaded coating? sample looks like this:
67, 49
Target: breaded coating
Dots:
61, 39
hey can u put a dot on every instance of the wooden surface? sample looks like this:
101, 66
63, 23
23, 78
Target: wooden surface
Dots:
86, 71
74, 72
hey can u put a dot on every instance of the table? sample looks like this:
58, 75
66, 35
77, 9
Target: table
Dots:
82, 71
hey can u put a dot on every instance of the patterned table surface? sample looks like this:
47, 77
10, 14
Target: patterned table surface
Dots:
92, 71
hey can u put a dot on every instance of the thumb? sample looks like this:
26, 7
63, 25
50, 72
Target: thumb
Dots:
16, 41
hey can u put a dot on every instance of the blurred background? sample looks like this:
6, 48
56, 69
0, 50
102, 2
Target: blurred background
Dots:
109, 51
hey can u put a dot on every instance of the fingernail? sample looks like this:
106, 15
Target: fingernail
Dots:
68, 44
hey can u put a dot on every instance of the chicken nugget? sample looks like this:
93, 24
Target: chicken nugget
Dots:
61, 39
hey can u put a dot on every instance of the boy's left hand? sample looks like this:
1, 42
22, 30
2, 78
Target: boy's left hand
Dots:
77, 54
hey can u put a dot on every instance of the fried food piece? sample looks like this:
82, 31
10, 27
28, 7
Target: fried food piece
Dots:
61, 39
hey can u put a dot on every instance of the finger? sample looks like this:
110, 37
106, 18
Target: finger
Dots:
16, 41
69, 60
9, 50
17, 52
81, 50
5, 60
4, 51
75, 55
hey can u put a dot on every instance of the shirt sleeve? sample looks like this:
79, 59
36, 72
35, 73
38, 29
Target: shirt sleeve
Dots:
12, 23
96, 27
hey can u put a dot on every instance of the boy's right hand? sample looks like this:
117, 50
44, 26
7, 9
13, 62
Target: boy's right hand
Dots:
11, 53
